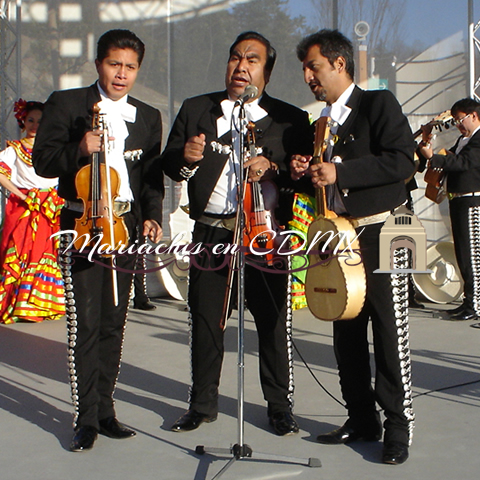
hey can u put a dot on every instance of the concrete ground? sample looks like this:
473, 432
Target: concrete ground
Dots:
36, 415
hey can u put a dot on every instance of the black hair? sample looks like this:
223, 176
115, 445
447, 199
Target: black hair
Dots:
466, 105
332, 44
271, 52
119, 38
23, 108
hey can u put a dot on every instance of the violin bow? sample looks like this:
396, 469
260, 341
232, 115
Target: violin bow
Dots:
106, 149
237, 237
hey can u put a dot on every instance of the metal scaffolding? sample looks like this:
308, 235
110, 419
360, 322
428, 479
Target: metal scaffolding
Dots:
474, 54
10, 74
10, 63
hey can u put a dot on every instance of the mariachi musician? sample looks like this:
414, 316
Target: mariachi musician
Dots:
65, 144
365, 179
462, 165
199, 150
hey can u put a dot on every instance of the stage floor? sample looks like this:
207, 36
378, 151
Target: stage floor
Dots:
36, 414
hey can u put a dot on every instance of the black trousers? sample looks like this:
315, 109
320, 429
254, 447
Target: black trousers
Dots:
95, 330
140, 279
465, 229
266, 297
392, 387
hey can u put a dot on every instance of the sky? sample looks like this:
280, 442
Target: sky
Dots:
426, 21
429, 21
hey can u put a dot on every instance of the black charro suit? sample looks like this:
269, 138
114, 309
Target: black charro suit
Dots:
284, 131
463, 177
68, 116
96, 326
375, 145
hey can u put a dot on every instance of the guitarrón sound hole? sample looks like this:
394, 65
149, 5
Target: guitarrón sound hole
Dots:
325, 255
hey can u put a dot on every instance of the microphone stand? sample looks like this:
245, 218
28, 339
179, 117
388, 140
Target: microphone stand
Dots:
240, 450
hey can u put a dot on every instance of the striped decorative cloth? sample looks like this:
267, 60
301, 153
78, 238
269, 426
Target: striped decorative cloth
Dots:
303, 215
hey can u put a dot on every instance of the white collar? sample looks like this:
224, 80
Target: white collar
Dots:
253, 111
121, 106
338, 111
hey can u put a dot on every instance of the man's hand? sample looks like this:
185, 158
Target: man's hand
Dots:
193, 151
426, 150
258, 167
91, 143
152, 230
299, 166
323, 174
426, 143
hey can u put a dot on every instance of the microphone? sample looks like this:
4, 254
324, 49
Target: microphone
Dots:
251, 91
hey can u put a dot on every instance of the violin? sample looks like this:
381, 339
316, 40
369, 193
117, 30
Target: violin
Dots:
260, 228
97, 187
260, 200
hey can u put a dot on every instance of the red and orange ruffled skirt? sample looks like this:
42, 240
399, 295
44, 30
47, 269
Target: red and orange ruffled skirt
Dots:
31, 284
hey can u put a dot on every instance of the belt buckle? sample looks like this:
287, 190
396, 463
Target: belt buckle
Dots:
229, 223
121, 208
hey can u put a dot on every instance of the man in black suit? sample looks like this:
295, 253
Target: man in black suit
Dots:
65, 143
202, 149
369, 162
462, 164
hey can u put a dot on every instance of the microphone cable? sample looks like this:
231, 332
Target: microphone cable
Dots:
417, 395
312, 373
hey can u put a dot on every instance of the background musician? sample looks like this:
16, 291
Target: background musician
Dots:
198, 150
65, 143
373, 157
462, 164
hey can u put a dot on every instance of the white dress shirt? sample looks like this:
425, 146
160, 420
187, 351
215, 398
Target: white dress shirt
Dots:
117, 113
223, 200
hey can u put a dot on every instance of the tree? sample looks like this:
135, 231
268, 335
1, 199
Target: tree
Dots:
201, 47
384, 41
384, 17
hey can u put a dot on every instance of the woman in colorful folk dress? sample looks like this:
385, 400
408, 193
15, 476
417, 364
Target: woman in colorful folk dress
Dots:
31, 285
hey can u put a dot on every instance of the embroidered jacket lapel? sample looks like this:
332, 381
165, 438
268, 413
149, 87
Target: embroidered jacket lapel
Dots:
344, 130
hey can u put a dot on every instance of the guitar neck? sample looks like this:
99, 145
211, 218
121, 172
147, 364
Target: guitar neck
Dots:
441, 120
322, 133
320, 193
417, 133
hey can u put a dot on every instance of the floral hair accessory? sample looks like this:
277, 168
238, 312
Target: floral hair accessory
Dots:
20, 109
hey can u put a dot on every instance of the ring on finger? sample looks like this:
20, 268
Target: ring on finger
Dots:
259, 172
